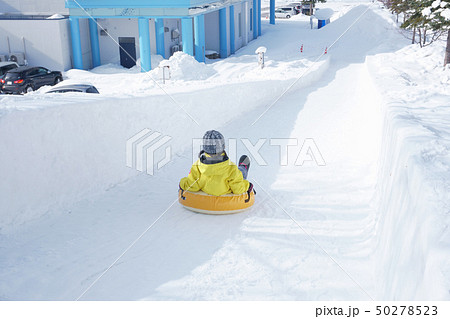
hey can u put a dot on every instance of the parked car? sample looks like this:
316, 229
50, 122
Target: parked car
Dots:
291, 10
6, 66
27, 79
78, 88
280, 13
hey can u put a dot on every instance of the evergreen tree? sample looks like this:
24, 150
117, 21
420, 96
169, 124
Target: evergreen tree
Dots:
400, 7
433, 15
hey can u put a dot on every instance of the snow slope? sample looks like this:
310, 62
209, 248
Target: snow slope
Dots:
70, 207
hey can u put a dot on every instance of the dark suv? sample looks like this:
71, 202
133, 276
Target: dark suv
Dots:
27, 79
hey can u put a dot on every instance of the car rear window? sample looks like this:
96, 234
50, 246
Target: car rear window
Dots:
6, 68
92, 90
12, 76
65, 91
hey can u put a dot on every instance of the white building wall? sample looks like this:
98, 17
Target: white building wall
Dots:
212, 37
46, 41
85, 44
242, 36
65, 52
124, 27
109, 44
152, 28
127, 27
239, 34
170, 24
212, 31
249, 6
36, 7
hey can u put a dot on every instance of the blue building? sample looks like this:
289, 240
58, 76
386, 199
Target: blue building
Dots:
124, 31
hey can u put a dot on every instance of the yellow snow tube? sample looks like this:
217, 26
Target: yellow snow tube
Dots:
203, 203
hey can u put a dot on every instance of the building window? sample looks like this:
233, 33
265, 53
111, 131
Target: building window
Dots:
251, 19
240, 24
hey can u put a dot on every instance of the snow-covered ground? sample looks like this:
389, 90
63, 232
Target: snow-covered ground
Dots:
370, 224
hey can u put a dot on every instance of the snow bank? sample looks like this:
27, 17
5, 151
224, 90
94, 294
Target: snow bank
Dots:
414, 190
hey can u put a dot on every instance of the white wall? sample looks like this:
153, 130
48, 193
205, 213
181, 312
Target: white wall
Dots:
85, 44
237, 38
172, 24
109, 48
152, 28
33, 7
65, 51
246, 35
47, 42
212, 37
212, 30
247, 17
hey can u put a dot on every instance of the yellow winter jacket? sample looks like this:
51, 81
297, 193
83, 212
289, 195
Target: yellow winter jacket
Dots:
215, 179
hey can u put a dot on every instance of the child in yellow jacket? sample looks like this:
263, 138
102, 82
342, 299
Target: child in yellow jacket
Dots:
214, 173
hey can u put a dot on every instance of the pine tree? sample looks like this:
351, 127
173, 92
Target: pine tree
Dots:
400, 6
433, 15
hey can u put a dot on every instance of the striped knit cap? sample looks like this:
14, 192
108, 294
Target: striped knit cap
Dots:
213, 142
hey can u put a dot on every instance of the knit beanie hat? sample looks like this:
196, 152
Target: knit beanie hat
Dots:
213, 142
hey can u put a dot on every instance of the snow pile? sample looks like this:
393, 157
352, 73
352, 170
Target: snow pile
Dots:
185, 67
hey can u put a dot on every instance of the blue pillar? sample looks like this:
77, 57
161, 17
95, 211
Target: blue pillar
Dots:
76, 43
223, 33
159, 26
187, 36
259, 17
95, 46
144, 45
199, 29
255, 31
232, 31
272, 11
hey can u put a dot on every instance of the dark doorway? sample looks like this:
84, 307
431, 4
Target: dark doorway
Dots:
127, 52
